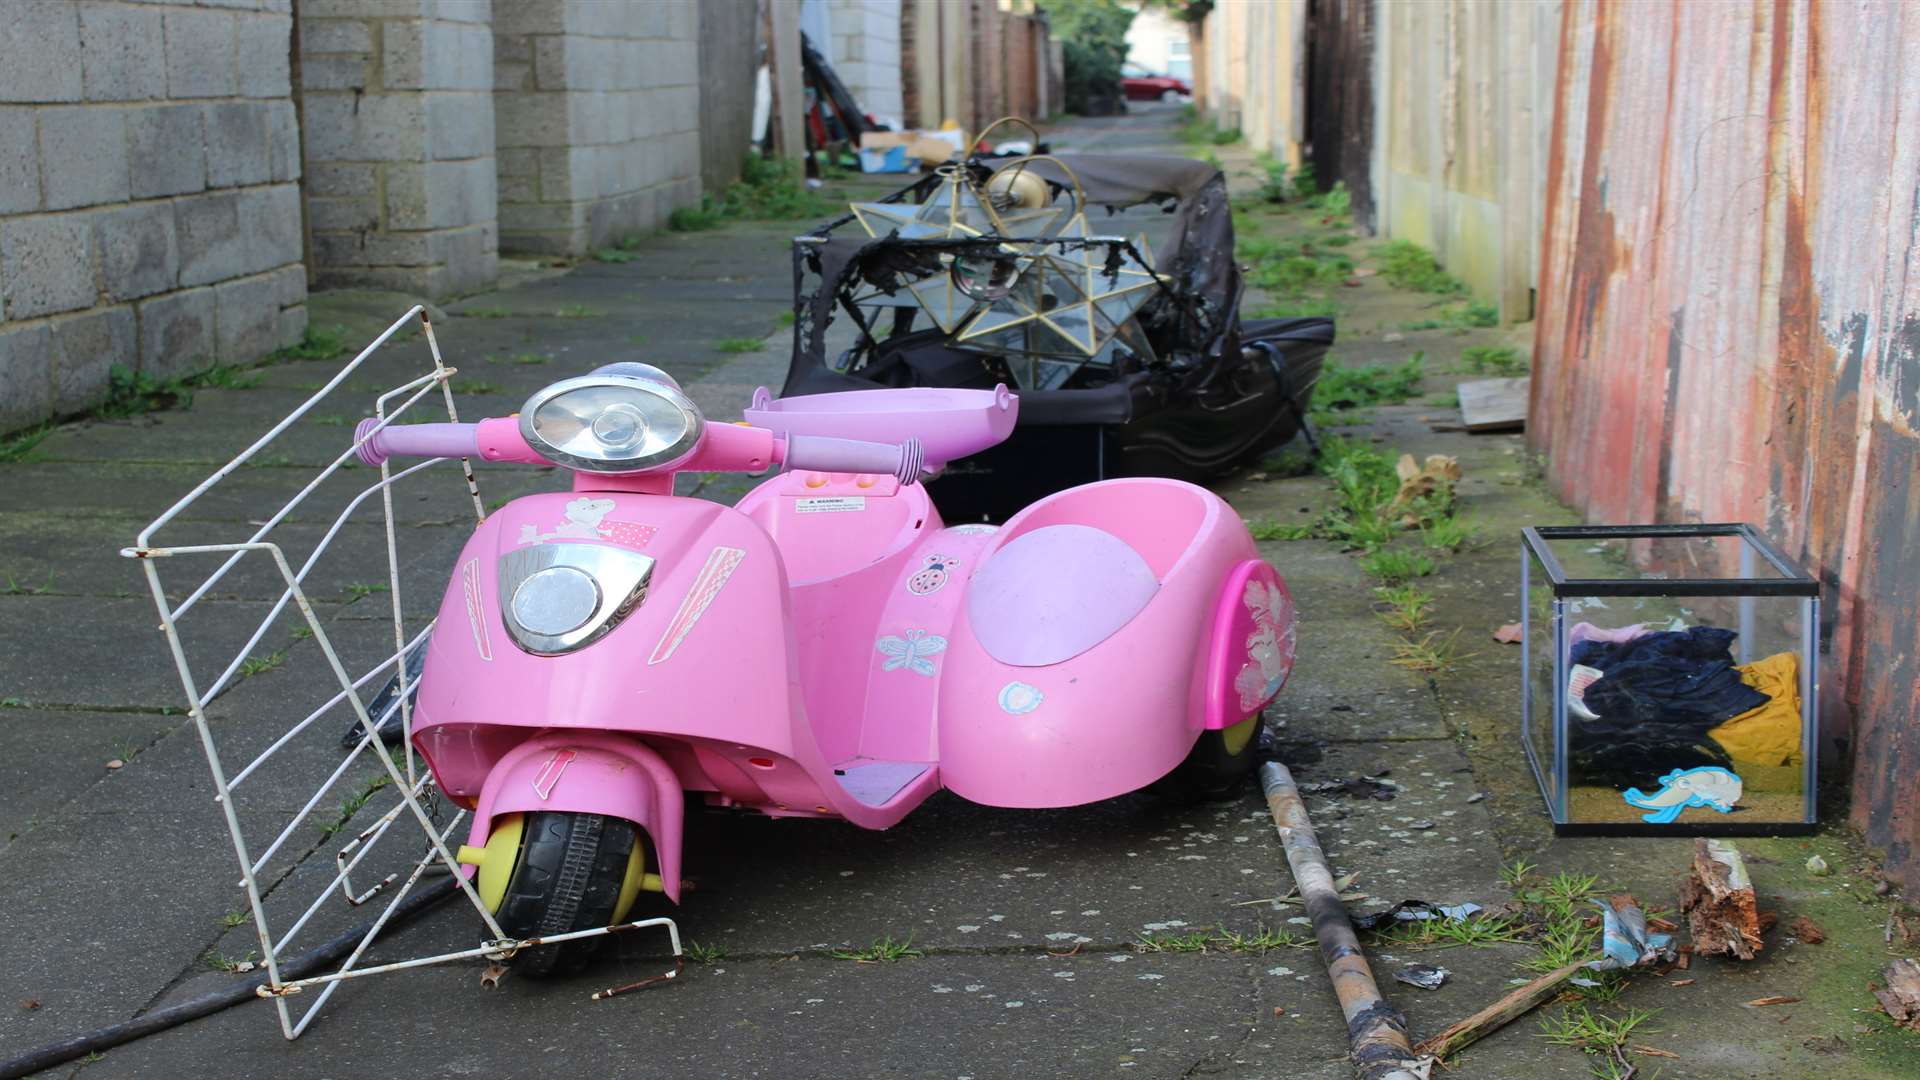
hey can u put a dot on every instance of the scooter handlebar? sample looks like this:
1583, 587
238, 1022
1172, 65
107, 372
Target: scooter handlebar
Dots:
415, 440
822, 453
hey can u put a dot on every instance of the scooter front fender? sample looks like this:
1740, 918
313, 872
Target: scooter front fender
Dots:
585, 772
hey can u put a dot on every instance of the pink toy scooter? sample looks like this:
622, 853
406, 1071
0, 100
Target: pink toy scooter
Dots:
826, 649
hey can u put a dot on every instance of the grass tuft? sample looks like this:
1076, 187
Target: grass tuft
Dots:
737, 345
1397, 566
1410, 266
1432, 651
1501, 360
884, 951
1403, 607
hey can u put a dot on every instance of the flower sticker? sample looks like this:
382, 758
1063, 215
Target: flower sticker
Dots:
1269, 647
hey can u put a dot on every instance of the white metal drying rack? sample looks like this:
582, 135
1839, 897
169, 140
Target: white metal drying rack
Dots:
407, 779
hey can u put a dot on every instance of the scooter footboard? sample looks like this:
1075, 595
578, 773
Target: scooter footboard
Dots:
584, 772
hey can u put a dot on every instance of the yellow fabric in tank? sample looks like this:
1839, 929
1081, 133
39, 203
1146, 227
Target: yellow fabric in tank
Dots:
1770, 733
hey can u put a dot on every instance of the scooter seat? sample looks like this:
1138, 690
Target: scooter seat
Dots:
1054, 592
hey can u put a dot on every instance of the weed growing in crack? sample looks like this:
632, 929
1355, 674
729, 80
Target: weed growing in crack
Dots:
1193, 942
257, 665
1406, 608
1516, 873
704, 954
1409, 266
1432, 651
1274, 530
1341, 387
355, 802
1454, 933
884, 951
218, 961
19, 588
1448, 533
1600, 1036
1260, 941
1397, 566
1502, 360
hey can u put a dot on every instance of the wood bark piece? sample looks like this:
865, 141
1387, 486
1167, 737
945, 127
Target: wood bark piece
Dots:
1723, 914
1901, 996
1376, 1032
1499, 1014
1806, 930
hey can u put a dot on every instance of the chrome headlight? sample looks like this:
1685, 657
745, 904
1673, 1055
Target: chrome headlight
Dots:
623, 418
558, 597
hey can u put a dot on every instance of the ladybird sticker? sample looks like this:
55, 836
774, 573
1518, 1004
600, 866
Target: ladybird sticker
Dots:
932, 577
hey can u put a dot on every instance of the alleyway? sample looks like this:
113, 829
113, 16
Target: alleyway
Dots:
1122, 938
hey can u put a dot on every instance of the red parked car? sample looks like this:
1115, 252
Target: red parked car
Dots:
1139, 84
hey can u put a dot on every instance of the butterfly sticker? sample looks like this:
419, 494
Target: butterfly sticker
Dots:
911, 651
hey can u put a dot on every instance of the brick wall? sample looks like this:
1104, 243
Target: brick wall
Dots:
149, 212
397, 107
598, 106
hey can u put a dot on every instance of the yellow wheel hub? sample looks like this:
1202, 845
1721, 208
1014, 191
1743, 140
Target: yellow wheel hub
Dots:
501, 857
1235, 738
496, 860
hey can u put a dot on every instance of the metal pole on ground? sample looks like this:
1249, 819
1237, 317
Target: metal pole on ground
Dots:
1376, 1032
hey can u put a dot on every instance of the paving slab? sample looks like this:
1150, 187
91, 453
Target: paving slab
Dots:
54, 756
936, 1016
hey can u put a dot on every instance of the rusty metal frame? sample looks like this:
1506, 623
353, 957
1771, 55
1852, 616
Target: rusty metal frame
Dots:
413, 786
1536, 551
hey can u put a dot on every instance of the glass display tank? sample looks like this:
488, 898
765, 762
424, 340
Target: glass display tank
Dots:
1671, 681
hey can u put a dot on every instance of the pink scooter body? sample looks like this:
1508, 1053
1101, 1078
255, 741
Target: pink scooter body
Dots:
829, 648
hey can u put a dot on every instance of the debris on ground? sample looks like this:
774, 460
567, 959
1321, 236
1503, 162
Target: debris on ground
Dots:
1775, 999
1493, 404
1499, 1014
1417, 481
1723, 915
1359, 787
1415, 911
1624, 939
1817, 866
1900, 998
1343, 884
1508, 634
116, 763
1424, 976
1806, 931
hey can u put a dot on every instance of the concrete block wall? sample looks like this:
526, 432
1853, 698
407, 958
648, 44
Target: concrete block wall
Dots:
397, 108
149, 200
598, 109
866, 54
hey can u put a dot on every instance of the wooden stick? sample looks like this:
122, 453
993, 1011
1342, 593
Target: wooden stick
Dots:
1376, 1032
1497, 1015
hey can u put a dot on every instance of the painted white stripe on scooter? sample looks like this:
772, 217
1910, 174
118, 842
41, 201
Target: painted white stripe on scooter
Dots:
721, 563
476, 614
548, 777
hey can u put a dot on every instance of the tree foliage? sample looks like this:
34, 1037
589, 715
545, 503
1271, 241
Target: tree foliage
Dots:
1187, 11
1093, 42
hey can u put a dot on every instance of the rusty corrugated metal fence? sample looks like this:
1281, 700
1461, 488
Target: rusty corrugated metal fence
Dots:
1729, 318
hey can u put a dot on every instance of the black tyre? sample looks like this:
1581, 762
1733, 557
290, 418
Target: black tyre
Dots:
567, 877
1220, 761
